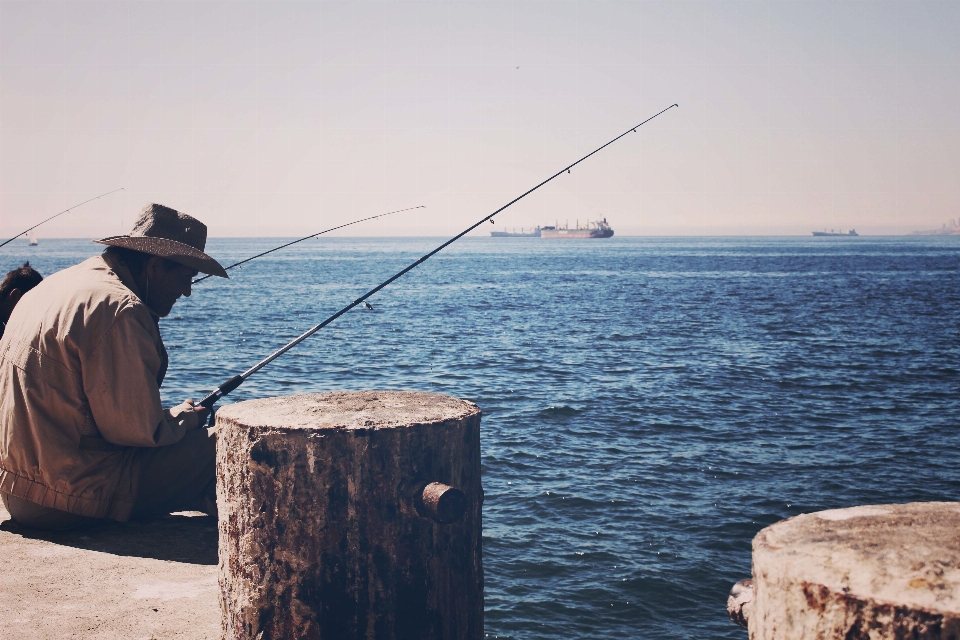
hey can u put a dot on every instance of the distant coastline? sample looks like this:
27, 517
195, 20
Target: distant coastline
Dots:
951, 228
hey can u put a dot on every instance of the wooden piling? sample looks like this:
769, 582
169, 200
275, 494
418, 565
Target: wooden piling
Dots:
350, 515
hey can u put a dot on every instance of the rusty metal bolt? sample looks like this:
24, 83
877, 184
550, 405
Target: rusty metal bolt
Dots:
740, 602
441, 503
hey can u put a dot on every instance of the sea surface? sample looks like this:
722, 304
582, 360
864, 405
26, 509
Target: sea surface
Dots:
649, 404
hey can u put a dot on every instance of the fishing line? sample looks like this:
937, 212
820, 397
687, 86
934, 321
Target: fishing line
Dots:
237, 380
283, 246
59, 214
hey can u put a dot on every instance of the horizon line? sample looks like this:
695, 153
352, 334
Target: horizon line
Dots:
624, 235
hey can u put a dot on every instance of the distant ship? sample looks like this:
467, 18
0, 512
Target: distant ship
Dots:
852, 232
33, 239
533, 233
593, 230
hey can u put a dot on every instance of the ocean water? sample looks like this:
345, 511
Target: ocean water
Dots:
649, 404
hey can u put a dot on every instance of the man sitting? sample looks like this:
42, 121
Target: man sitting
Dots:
82, 433
12, 287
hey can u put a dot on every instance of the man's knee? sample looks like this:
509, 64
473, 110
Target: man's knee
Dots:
179, 477
204, 438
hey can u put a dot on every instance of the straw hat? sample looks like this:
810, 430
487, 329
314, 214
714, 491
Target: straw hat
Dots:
168, 233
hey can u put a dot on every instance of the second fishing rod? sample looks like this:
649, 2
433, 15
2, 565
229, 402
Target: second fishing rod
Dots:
210, 400
312, 235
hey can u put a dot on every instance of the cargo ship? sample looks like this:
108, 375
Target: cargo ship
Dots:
598, 229
533, 233
852, 232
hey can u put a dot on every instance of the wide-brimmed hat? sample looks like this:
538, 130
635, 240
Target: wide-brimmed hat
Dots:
168, 233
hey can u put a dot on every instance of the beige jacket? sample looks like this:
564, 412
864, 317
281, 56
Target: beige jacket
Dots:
81, 364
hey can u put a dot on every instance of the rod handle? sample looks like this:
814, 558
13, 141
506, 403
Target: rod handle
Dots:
221, 391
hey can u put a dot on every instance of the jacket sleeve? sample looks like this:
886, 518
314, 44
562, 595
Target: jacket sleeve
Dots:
120, 381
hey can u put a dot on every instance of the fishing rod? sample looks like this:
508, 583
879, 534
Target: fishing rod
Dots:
237, 380
59, 214
283, 246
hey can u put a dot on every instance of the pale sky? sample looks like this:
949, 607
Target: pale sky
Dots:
281, 118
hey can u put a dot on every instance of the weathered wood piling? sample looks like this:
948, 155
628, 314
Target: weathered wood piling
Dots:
884, 572
350, 515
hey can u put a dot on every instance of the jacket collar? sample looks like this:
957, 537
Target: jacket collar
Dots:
123, 272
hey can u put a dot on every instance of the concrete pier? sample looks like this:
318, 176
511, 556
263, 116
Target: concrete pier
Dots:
142, 579
882, 572
350, 515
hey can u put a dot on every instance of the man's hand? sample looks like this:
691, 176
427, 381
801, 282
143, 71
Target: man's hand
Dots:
188, 414
202, 412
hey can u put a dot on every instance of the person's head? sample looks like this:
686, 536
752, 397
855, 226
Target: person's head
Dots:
14, 285
164, 252
161, 282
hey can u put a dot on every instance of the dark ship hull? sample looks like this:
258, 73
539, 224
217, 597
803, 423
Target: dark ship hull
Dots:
576, 233
852, 232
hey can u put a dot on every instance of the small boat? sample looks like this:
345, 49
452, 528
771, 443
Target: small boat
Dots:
33, 239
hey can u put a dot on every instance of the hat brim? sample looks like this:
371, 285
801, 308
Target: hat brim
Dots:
171, 250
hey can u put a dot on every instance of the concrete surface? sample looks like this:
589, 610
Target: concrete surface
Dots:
144, 579
882, 572
347, 410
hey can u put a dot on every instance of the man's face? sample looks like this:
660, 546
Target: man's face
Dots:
166, 282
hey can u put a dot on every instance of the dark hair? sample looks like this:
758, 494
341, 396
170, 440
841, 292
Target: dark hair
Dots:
23, 278
135, 260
